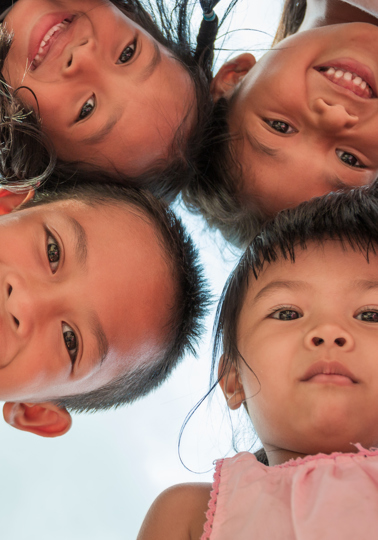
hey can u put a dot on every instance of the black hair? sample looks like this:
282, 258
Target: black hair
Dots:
170, 26
214, 191
184, 326
291, 19
350, 218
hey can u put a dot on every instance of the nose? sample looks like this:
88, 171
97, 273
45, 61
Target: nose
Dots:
26, 303
329, 336
80, 57
332, 118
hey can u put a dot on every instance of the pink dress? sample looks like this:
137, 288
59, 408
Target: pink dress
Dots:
322, 497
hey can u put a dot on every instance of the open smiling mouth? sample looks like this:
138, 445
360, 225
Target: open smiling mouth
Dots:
347, 79
47, 41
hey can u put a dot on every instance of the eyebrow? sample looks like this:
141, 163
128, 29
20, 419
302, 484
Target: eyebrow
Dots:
107, 128
100, 336
81, 252
261, 147
81, 247
275, 286
365, 284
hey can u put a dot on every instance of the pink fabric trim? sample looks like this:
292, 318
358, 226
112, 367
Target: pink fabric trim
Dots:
299, 461
207, 528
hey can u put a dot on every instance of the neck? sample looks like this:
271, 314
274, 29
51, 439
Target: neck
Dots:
277, 456
326, 12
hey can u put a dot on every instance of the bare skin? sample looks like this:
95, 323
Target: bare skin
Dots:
177, 514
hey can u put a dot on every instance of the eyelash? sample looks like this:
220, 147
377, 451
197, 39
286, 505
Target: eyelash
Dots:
282, 309
133, 50
69, 337
84, 112
280, 123
53, 256
360, 165
367, 309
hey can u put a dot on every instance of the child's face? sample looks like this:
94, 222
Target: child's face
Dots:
105, 289
299, 324
304, 134
108, 93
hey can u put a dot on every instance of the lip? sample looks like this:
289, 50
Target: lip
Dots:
349, 64
40, 30
329, 372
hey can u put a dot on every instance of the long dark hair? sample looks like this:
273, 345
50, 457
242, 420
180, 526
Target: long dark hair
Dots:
292, 17
29, 156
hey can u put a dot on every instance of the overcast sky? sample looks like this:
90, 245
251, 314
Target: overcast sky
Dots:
98, 481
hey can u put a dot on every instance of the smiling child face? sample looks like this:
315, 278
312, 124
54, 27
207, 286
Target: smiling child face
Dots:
301, 131
298, 322
85, 293
108, 93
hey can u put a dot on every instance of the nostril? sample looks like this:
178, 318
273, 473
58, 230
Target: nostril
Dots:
69, 63
10, 289
340, 341
16, 321
317, 341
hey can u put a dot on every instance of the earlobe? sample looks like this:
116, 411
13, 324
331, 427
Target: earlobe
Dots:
230, 74
43, 419
231, 385
9, 201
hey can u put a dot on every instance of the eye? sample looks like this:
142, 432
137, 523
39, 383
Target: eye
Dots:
286, 314
280, 126
349, 159
127, 53
368, 316
71, 342
53, 253
87, 108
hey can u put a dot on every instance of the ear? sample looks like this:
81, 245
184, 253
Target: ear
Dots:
231, 385
44, 419
230, 74
9, 201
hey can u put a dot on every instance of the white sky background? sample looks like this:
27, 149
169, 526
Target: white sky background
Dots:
98, 481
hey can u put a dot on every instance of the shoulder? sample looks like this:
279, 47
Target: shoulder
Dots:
179, 513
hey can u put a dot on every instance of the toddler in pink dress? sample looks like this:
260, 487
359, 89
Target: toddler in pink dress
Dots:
297, 343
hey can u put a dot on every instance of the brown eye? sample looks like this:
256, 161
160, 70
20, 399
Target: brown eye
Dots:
87, 108
280, 126
368, 316
127, 53
286, 315
53, 253
349, 159
70, 340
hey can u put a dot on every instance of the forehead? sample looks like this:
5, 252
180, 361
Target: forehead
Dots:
126, 280
326, 265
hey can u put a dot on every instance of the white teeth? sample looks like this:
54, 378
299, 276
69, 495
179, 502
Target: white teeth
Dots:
41, 52
338, 74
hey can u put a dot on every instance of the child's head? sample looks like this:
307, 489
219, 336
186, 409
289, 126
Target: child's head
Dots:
292, 126
298, 328
102, 296
116, 90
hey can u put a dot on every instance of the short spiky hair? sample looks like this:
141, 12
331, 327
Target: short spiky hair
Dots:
184, 326
350, 218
